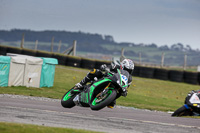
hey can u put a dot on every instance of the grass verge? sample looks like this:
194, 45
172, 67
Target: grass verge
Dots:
27, 128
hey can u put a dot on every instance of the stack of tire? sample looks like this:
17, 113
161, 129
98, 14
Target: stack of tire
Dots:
136, 71
161, 74
73, 61
176, 75
87, 63
98, 63
14, 50
191, 77
62, 59
29, 52
3, 50
146, 72
44, 54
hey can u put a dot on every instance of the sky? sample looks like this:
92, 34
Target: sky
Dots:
163, 22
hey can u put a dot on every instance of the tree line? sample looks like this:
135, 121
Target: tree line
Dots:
89, 42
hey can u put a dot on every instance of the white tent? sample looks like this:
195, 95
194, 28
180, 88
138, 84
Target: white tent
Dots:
16, 75
33, 72
25, 71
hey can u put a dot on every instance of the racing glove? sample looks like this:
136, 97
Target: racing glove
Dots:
103, 67
124, 93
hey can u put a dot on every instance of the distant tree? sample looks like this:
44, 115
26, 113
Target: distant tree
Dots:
164, 47
109, 38
153, 45
188, 48
177, 47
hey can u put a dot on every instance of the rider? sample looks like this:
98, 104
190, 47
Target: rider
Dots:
94, 74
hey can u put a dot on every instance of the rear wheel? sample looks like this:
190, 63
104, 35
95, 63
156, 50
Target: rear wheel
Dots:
182, 111
67, 99
100, 102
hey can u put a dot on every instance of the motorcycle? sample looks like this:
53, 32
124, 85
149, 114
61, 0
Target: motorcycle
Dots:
191, 106
98, 94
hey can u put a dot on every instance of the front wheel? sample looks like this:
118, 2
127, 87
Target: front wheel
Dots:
182, 111
67, 99
100, 102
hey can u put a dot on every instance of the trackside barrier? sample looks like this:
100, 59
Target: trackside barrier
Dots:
28, 52
146, 72
62, 59
98, 63
73, 61
161, 74
136, 71
175, 75
3, 50
191, 78
44, 54
14, 50
87, 63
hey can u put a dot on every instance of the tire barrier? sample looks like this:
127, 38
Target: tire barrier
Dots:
136, 71
28, 52
199, 78
44, 54
62, 59
3, 50
98, 63
175, 75
73, 61
146, 72
191, 78
87, 63
14, 50
162, 74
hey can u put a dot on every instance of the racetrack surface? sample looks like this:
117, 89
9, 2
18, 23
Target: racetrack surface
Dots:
49, 112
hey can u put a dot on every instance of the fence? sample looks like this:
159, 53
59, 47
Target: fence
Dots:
140, 71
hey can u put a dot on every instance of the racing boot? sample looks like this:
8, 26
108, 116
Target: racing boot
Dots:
80, 86
76, 100
112, 104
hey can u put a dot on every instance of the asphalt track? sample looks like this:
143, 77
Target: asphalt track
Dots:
49, 112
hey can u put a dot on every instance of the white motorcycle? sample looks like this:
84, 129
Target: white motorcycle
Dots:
191, 106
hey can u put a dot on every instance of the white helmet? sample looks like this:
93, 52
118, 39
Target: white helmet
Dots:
127, 65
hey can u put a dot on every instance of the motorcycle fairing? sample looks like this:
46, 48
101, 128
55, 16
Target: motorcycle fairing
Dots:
194, 99
93, 87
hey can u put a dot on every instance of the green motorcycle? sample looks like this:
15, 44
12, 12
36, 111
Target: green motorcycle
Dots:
98, 94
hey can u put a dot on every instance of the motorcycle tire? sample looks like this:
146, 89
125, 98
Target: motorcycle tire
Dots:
104, 102
67, 100
182, 111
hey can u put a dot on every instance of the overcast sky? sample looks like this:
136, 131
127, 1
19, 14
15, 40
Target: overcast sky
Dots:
163, 22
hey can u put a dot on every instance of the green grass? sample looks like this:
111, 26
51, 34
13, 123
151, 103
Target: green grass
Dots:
27, 128
143, 93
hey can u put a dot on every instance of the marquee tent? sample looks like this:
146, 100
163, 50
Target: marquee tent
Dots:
48, 72
17, 67
33, 72
4, 70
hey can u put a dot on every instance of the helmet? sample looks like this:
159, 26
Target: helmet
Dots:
127, 65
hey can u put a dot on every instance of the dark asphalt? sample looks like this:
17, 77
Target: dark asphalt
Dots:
119, 119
